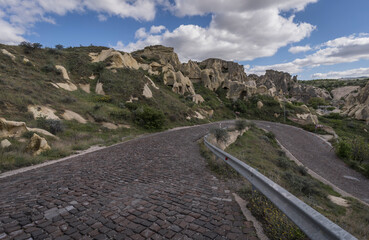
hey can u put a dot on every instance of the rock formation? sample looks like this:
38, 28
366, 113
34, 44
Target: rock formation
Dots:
37, 145
116, 59
11, 128
357, 106
147, 92
5, 143
42, 111
99, 89
70, 115
343, 92
275, 83
180, 84
159, 54
9, 54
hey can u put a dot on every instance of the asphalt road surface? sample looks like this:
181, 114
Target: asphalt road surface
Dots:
317, 155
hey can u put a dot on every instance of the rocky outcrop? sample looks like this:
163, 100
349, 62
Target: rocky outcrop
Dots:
42, 111
99, 89
180, 84
9, 54
216, 73
16, 129
63, 71
116, 59
192, 70
70, 115
147, 92
85, 87
239, 90
357, 106
344, 92
5, 143
281, 84
11, 128
159, 54
37, 145
197, 98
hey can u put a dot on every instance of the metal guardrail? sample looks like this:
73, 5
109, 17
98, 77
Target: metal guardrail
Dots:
311, 222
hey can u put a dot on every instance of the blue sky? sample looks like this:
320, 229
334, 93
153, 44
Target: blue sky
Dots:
308, 38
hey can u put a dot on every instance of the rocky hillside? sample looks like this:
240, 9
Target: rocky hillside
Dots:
55, 101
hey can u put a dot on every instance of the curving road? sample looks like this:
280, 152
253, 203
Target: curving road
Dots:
319, 156
154, 187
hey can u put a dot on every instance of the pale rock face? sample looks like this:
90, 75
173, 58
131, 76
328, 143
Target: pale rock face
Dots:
63, 71
343, 92
216, 72
281, 84
262, 90
85, 87
68, 86
259, 104
110, 126
5, 143
358, 106
131, 99
7, 53
38, 145
180, 84
152, 83
159, 54
118, 60
147, 92
308, 118
42, 111
99, 89
25, 60
42, 131
70, 115
192, 71
11, 128
197, 98
239, 90
198, 115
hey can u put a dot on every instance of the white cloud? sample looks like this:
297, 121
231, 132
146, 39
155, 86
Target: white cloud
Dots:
157, 29
357, 72
243, 30
18, 16
340, 50
298, 49
102, 17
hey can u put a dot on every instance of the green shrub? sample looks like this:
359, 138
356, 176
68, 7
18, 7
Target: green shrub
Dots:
123, 114
220, 134
48, 68
275, 223
334, 116
104, 99
149, 118
241, 125
316, 101
343, 149
283, 163
51, 125
240, 106
359, 150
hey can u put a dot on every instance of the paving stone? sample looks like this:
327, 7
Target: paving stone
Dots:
137, 190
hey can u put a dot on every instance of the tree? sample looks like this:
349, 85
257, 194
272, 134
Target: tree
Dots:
59, 46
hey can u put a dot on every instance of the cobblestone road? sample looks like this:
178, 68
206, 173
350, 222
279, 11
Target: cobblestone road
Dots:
155, 187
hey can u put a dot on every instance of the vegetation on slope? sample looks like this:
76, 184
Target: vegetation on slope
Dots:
330, 84
260, 150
